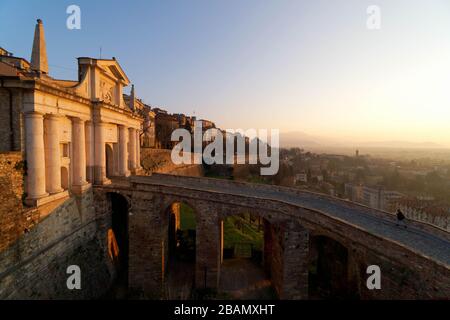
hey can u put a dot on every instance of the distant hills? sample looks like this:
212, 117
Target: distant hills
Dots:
401, 144
304, 140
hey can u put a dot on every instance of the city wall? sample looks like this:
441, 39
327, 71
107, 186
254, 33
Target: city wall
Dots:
35, 265
159, 161
38, 244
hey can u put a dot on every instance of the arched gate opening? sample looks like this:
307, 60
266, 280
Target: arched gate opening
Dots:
245, 259
179, 251
329, 274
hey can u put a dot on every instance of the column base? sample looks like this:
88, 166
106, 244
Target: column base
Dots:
79, 189
127, 174
32, 201
105, 181
46, 199
137, 171
51, 192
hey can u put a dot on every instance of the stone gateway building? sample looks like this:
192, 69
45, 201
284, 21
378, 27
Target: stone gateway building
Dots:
73, 133
59, 138
73, 193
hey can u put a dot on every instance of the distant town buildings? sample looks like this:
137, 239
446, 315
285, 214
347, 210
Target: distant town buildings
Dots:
301, 177
353, 192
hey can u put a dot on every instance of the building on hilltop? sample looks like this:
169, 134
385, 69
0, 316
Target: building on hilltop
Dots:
378, 198
147, 137
71, 133
165, 124
372, 196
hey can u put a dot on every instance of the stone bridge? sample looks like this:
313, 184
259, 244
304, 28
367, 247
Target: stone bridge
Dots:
302, 230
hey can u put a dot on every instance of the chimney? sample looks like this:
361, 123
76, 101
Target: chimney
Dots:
39, 54
132, 97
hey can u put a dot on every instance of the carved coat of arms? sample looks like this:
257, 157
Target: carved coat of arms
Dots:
106, 91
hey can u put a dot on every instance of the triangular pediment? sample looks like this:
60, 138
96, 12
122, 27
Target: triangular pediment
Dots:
112, 68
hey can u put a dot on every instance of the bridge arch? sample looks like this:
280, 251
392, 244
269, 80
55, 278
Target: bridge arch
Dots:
118, 235
361, 236
245, 254
330, 273
179, 227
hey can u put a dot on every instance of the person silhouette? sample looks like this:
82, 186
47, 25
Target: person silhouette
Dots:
400, 219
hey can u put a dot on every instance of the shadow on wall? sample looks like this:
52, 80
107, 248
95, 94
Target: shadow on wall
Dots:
13, 221
329, 270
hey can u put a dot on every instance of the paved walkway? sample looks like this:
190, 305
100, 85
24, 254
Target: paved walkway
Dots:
427, 243
180, 280
243, 279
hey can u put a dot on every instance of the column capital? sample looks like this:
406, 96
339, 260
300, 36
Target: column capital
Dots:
100, 123
77, 120
53, 116
34, 114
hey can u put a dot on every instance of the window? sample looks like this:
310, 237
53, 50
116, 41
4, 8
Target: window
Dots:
65, 150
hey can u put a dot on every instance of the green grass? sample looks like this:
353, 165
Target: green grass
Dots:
248, 233
187, 217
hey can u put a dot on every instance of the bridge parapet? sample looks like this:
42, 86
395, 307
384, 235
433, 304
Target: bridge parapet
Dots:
267, 192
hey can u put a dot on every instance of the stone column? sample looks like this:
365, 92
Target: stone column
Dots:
207, 247
35, 154
146, 245
123, 151
355, 282
221, 241
89, 130
295, 262
132, 150
138, 150
100, 156
79, 183
52, 154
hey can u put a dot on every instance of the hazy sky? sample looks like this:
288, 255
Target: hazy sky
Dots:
310, 66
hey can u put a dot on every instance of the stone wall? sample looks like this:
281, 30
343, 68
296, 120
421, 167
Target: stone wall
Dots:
14, 220
10, 129
35, 265
273, 259
5, 126
159, 161
38, 244
404, 274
